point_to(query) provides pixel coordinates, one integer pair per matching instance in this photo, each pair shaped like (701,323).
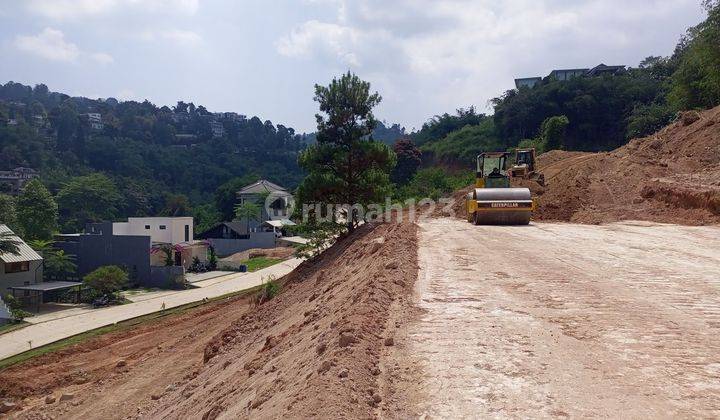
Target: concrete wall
(163,277)
(173,233)
(225,247)
(23,278)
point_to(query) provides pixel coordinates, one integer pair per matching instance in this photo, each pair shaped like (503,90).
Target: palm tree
(41,246)
(247,210)
(59,264)
(9,244)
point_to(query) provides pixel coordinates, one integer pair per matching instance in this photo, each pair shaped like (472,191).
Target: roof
(239,227)
(25,252)
(261,186)
(605,68)
(294,240)
(48,285)
(280,223)
(562,70)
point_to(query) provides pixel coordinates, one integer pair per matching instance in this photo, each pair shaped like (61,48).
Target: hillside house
(12,182)
(217,129)
(567,74)
(528,82)
(94,120)
(275,200)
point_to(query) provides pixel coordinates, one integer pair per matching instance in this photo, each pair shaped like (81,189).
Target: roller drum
(503,216)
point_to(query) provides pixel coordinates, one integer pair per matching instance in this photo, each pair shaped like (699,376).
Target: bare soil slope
(115,375)
(672,176)
(314,350)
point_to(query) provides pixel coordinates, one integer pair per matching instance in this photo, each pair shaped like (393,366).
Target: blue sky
(263,57)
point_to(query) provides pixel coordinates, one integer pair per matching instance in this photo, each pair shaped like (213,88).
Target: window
(162,227)
(187,233)
(17,267)
(147,227)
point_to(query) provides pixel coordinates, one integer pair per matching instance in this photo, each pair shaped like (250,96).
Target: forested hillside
(592,113)
(151,160)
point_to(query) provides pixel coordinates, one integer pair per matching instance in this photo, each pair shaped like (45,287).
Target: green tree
(346,166)
(176,205)
(408,161)
(106,280)
(89,198)
(226,195)
(8,216)
(9,244)
(248,211)
(696,82)
(58,265)
(553,132)
(37,212)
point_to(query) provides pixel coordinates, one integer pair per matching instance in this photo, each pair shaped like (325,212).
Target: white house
(166,230)
(174,231)
(21,269)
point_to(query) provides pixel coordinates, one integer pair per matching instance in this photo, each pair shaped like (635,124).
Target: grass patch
(12,326)
(258,263)
(118,327)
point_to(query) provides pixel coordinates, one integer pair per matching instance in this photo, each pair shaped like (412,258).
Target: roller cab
(493,201)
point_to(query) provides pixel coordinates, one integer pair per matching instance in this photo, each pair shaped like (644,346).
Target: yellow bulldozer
(493,201)
(525,166)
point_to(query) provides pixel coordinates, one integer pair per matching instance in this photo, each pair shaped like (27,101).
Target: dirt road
(553,320)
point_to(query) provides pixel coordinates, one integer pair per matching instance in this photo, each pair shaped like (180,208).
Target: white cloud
(180,36)
(318,38)
(102,58)
(183,38)
(50,44)
(77,9)
(452,53)
(126,95)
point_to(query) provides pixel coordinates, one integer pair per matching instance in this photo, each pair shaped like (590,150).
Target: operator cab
(525,157)
(491,171)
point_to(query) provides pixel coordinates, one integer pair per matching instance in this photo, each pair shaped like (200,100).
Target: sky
(263,57)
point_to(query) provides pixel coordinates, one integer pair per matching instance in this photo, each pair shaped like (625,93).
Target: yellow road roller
(493,201)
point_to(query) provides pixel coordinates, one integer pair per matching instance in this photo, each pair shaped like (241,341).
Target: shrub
(269,290)
(16,310)
(106,280)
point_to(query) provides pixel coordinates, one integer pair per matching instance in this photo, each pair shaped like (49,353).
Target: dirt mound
(672,176)
(314,350)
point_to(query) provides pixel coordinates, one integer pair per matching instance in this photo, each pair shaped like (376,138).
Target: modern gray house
(567,74)
(528,82)
(99,246)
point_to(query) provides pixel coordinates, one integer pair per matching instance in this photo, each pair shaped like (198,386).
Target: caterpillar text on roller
(493,201)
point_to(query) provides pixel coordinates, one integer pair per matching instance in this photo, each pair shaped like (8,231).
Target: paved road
(555,320)
(39,334)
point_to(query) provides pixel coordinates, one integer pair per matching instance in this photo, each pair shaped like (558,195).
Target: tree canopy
(346,166)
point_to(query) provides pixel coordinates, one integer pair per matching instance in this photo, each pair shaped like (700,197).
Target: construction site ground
(557,319)
(586,312)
